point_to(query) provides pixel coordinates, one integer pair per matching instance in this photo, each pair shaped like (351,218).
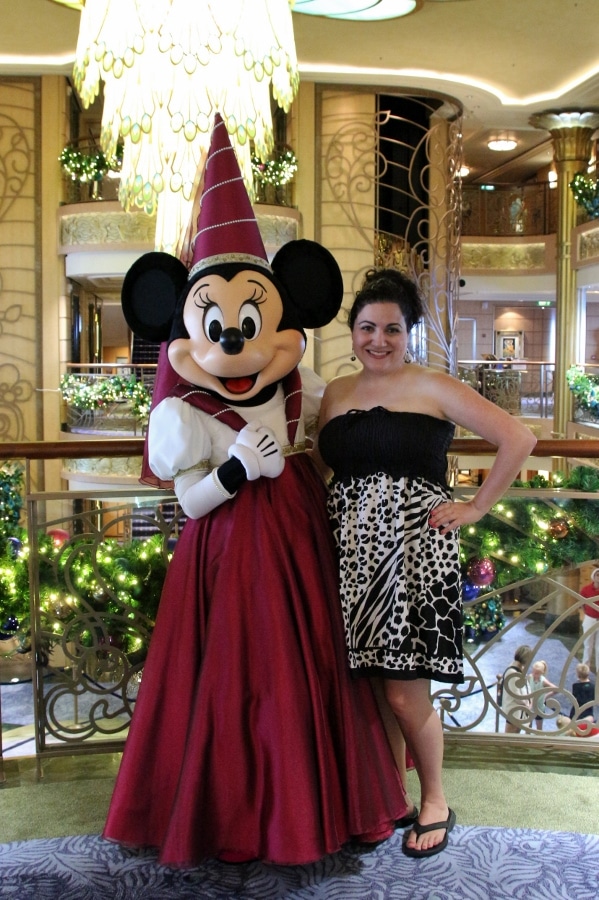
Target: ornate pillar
(571,132)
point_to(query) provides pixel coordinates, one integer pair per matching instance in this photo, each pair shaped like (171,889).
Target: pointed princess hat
(305,273)
(227,227)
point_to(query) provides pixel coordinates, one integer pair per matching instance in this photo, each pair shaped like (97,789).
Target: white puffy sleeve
(177,438)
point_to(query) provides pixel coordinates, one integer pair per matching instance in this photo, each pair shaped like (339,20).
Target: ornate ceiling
(502,59)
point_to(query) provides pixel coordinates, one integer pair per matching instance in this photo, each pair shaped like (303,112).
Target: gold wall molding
(586,244)
(278,225)
(104,225)
(521,258)
(104,467)
(92,224)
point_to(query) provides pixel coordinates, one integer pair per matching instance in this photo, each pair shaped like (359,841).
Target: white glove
(199,495)
(258,451)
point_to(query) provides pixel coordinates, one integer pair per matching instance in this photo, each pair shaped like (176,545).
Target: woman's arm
(514,442)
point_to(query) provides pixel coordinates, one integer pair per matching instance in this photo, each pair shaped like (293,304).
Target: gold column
(571,132)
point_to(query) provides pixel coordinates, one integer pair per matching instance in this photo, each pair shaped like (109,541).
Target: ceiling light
(463,171)
(167,67)
(356,10)
(502,143)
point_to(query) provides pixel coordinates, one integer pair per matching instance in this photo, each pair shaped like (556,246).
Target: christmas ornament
(59,536)
(470,591)
(480,571)
(8,628)
(101,597)
(558,528)
(14,545)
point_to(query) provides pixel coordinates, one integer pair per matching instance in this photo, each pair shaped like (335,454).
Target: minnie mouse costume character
(249,739)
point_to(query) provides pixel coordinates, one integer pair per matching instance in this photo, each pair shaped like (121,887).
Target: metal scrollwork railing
(95,590)
(96,574)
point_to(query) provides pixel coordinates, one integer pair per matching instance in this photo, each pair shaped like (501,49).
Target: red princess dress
(250,739)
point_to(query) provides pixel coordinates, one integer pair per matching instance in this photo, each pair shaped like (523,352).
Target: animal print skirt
(399,579)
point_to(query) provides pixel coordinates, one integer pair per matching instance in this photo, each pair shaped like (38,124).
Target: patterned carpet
(480,864)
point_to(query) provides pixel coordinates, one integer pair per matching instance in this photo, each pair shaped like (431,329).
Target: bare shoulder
(436,380)
(433,385)
(339,387)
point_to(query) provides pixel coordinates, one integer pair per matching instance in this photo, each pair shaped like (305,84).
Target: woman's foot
(429,833)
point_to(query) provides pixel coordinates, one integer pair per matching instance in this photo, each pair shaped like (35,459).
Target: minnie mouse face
(233,346)
(234,328)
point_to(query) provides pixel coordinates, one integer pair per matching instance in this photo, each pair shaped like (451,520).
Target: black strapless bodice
(400,444)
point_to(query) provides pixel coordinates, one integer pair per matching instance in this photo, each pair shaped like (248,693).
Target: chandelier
(167,66)
(357,10)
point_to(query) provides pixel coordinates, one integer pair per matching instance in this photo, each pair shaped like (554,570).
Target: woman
(384,432)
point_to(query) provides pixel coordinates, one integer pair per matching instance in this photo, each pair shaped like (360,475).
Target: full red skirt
(249,736)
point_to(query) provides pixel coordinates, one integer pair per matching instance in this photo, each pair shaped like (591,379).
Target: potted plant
(271,178)
(586,193)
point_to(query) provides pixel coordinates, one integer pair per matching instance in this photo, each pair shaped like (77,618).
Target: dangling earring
(353,356)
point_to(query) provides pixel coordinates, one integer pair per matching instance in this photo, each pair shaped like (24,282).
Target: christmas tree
(526,536)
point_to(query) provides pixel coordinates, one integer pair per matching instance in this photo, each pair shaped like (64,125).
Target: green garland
(585,388)
(12,480)
(277,171)
(87,167)
(526,537)
(586,193)
(110,579)
(95,393)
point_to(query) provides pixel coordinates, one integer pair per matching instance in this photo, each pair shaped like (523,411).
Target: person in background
(384,431)
(538,682)
(515,698)
(583,691)
(584,728)
(590,626)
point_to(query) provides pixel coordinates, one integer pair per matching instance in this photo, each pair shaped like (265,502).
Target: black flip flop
(423,829)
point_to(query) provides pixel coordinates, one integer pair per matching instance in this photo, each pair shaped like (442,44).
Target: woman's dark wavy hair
(389,286)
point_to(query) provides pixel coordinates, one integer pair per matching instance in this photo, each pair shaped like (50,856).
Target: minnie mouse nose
(231,341)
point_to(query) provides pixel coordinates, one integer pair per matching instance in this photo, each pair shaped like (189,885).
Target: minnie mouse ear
(149,295)
(312,278)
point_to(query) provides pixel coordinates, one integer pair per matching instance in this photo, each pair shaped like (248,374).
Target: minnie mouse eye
(250,321)
(213,323)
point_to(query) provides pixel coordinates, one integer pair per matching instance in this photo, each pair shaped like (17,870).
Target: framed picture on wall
(509,344)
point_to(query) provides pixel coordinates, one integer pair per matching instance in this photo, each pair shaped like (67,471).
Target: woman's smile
(380,334)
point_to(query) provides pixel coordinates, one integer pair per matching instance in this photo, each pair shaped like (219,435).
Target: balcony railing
(509,210)
(522,387)
(95,574)
(102,398)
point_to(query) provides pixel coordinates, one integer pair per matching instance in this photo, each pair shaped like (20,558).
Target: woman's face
(380,337)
